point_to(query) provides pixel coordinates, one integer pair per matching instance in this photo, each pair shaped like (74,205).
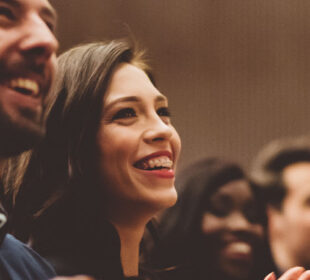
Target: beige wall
(237,72)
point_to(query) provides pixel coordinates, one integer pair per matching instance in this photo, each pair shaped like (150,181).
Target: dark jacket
(17,260)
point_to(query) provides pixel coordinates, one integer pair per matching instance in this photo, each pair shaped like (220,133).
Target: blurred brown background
(236,71)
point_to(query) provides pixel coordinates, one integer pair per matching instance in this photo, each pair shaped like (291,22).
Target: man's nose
(39,42)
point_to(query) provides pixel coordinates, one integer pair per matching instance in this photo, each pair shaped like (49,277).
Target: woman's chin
(164,200)
(170,200)
(237,271)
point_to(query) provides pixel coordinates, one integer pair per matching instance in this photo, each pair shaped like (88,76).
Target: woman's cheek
(211,223)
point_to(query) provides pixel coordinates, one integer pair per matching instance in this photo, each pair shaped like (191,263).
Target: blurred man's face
(293,221)
(27,65)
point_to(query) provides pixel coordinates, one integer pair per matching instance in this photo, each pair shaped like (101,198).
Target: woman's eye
(220,206)
(124,114)
(219,210)
(163,112)
(6,12)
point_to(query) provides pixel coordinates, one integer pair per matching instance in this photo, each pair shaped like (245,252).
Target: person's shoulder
(18,261)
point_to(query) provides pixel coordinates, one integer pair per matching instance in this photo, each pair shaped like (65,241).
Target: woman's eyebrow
(133,98)
(121,100)
(160,98)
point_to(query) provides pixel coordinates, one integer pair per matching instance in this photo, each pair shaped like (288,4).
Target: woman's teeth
(240,247)
(25,86)
(155,163)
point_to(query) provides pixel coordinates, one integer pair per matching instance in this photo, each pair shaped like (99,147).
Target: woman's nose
(241,226)
(157,130)
(238,222)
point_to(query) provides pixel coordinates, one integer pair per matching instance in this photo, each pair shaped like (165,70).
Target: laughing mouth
(240,247)
(157,163)
(25,86)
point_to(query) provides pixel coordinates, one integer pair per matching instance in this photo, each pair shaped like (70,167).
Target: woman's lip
(162,173)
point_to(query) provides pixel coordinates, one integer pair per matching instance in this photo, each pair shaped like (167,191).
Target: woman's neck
(130,238)
(130,222)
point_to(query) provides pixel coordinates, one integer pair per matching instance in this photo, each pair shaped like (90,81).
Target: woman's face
(232,229)
(138,146)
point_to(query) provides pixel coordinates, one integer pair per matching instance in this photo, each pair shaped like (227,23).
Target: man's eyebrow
(45,10)
(11,2)
(50,12)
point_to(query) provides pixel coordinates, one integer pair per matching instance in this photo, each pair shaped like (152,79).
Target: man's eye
(51,26)
(6,12)
(306,202)
(124,114)
(163,112)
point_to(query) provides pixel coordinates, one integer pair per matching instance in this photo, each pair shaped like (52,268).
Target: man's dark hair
(272,160)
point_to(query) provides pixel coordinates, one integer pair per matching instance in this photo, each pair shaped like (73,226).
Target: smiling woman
(216,229)
(105,168)
(137,142)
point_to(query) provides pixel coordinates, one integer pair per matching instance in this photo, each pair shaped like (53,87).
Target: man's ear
(275,221)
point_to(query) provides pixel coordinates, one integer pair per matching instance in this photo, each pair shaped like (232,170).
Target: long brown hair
(62,167)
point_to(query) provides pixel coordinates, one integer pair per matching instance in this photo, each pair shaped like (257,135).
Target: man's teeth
(160,162)
(26,86)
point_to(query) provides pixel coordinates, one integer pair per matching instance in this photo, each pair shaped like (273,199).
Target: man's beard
(24,130)
(16,138)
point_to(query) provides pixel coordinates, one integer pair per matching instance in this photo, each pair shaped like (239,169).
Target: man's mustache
(26,68)
(21,67)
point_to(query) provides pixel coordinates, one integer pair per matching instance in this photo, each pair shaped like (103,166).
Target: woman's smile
(238,251)
(159,164)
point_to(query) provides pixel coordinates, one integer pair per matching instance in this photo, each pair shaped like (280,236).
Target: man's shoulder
(11,245)
(18,261)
